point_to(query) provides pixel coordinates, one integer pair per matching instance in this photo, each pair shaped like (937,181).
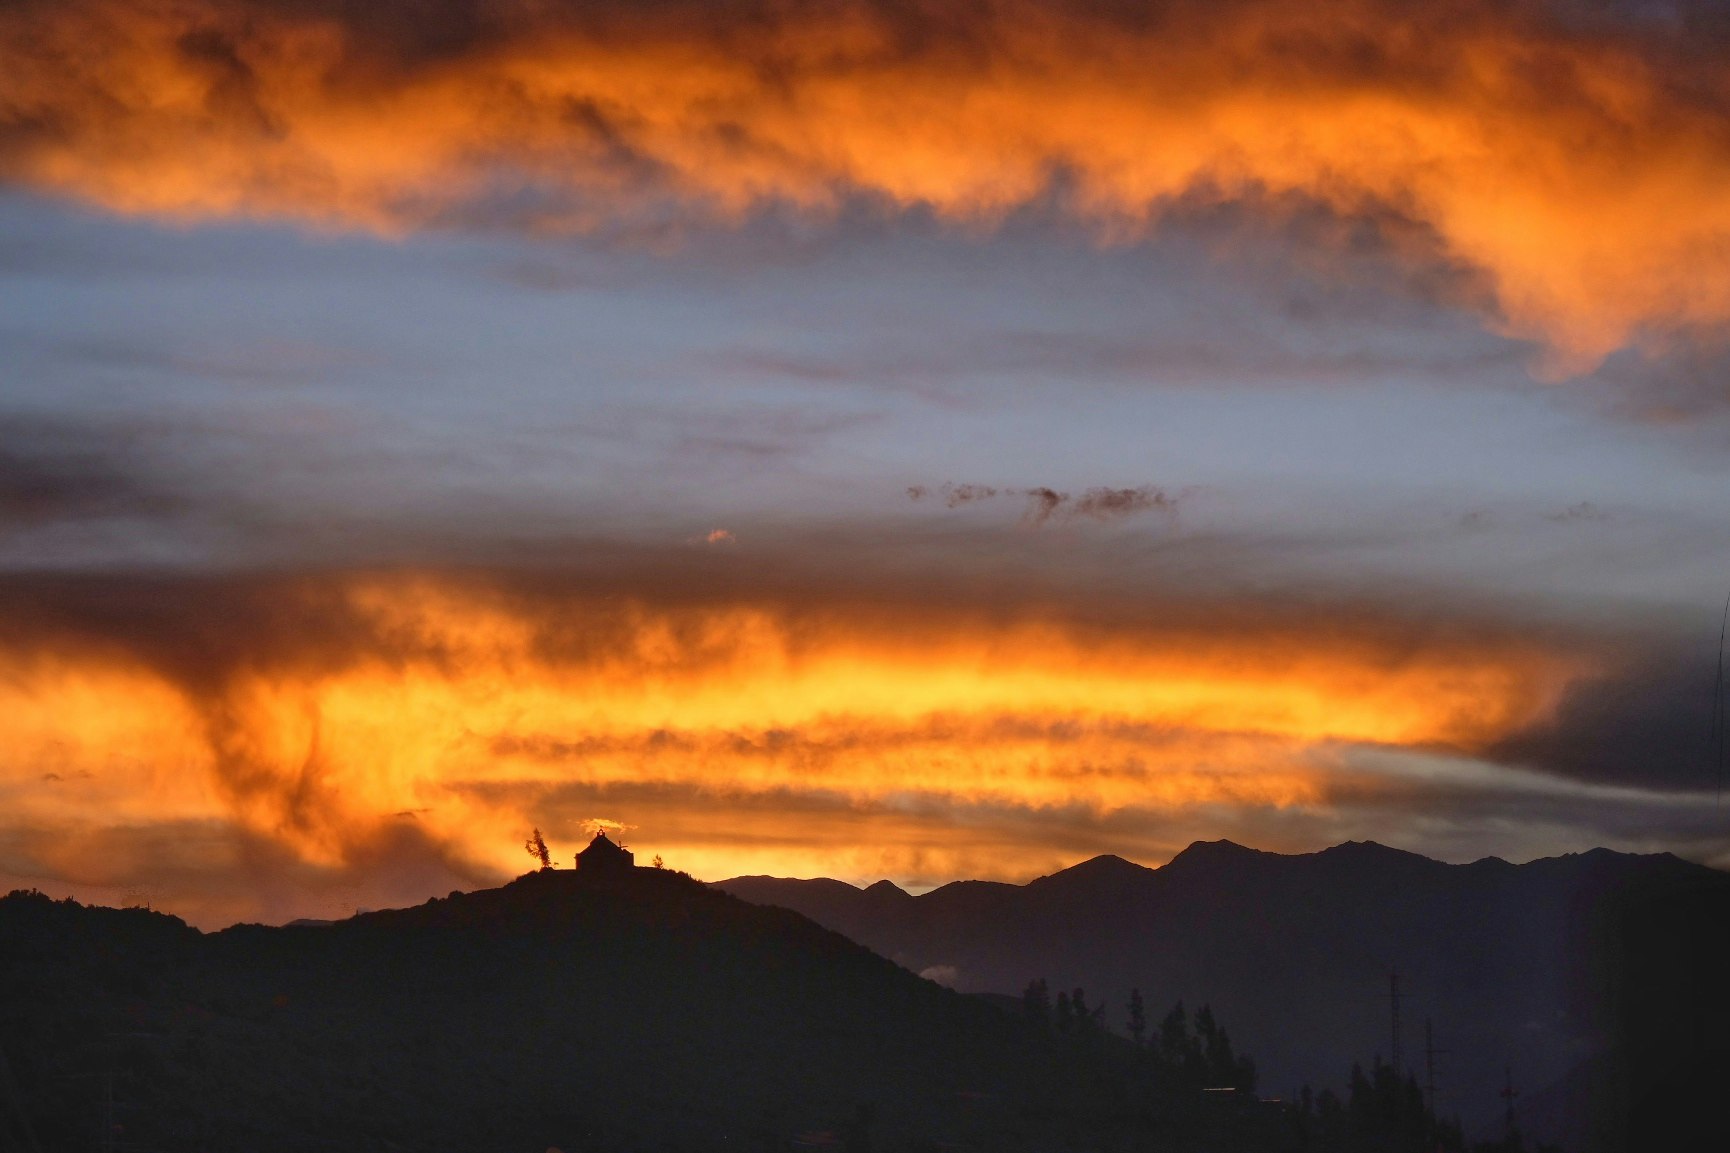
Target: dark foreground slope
(1552,969)
(639,1012)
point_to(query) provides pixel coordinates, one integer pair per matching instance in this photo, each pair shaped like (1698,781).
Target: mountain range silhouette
(1518,968)
(635,1009)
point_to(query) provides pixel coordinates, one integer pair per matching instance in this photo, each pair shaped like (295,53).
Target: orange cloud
(1579,169)
(457,706)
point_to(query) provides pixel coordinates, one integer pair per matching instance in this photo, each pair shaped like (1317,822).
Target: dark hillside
(642,1011)
(1520,967)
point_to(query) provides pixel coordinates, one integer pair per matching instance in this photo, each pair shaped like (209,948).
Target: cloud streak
(1576,165)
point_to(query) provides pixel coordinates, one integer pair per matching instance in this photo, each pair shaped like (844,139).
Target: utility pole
(1430,1053)
(1394,1001)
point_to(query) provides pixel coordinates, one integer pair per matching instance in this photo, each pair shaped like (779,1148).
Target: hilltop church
(603,856)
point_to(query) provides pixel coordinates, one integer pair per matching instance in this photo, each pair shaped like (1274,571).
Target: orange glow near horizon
(1570,170)
(466,710)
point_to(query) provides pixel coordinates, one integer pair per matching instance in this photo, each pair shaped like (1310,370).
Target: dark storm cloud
(52,471)
(1648,723)
(36,489)
(1465,819)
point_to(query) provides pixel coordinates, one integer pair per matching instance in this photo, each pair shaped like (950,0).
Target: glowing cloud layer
(1579,168)
(461,708)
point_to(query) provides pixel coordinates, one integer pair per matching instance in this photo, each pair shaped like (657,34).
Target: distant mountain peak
(1220,850)
(887,888)
(1373,851)
(1361,847)
(1106,866)
(1106,874)
(1107,862)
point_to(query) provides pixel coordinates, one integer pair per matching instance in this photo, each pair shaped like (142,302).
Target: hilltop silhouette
(1536,968)
(613,1008)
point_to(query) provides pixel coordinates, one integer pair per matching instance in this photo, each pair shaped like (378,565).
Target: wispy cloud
(1583,510)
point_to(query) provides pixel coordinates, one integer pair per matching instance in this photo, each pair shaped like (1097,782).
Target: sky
(863,438)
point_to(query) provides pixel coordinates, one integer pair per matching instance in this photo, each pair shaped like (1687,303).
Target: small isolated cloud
(946,975)
(1042,505)
(717,537)
(1109,503)
(594,825)
(956,495)
(1584,510)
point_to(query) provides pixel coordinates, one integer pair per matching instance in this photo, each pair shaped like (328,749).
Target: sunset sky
(865,438)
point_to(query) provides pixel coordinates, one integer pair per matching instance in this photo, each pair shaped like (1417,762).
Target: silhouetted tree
(536,846)
(1360,1100)
(1384,1113)
(1174,1034)
(1330,1120)
(1036,1002)
(1221,1065)
(1137,1018)
(1244,1077)
(1206,1028)
(1065,1015)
